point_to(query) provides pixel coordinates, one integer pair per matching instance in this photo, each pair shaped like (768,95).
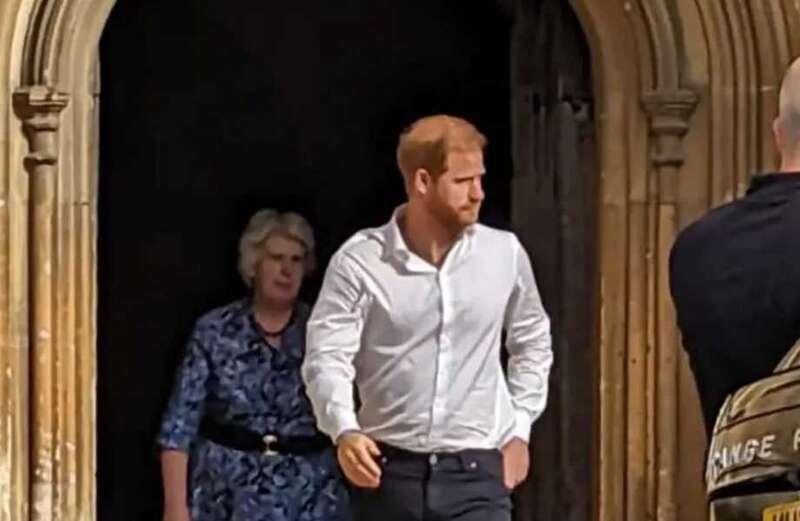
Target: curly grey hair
(265,224)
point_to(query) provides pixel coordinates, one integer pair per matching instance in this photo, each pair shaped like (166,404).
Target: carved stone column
(39,108)
(669,113)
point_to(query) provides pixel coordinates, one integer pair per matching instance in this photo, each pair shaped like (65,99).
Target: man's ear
(778,132)
(422,181)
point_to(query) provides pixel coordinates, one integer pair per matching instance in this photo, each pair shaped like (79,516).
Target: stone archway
(655,64)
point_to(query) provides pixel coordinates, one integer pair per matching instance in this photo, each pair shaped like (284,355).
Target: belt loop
(467,460)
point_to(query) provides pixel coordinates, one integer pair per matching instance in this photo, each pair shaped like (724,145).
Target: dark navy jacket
(735,281)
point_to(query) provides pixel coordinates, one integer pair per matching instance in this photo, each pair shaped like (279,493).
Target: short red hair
(426,143)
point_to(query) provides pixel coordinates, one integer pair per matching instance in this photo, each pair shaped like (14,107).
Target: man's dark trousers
(462,486)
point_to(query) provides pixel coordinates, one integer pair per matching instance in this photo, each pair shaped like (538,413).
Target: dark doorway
(212,110)
(555,212)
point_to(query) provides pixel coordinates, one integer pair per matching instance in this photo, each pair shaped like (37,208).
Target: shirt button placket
(443,356)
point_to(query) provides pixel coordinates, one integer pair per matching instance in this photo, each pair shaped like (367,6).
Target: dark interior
(213,110)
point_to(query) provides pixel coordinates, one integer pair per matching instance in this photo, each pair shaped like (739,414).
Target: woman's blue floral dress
(230,373)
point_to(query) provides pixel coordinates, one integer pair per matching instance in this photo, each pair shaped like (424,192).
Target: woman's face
(280,271)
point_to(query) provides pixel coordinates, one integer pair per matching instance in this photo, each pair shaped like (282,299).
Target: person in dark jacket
(735,273)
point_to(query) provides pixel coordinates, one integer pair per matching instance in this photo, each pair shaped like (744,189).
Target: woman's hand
(356,453)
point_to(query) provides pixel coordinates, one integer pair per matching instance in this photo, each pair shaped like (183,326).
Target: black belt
(396,453)
(245,440)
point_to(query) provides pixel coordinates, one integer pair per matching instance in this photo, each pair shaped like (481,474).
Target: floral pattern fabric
(230,373)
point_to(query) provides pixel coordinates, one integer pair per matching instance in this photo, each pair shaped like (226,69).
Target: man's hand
(356,454)
(516,462)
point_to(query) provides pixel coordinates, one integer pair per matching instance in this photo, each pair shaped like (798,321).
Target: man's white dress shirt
(422,343)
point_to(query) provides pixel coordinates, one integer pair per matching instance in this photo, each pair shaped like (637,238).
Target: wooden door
(554,211)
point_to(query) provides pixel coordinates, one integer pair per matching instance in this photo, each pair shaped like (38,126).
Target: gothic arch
(655,63)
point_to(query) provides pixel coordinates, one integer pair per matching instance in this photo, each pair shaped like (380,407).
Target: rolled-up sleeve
(186,406)
(529,346)
(333,340)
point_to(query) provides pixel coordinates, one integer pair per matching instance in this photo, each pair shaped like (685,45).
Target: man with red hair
(412,312)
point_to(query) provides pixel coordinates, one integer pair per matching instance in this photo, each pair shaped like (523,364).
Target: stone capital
(39,108)
(669,113)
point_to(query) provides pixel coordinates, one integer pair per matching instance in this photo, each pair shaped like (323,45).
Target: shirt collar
(770,179)
(395,246)
(246,315)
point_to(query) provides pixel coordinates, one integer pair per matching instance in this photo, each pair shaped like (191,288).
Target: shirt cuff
(522,426)
(342,421)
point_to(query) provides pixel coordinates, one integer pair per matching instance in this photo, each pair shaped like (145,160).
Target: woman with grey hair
(239,430)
